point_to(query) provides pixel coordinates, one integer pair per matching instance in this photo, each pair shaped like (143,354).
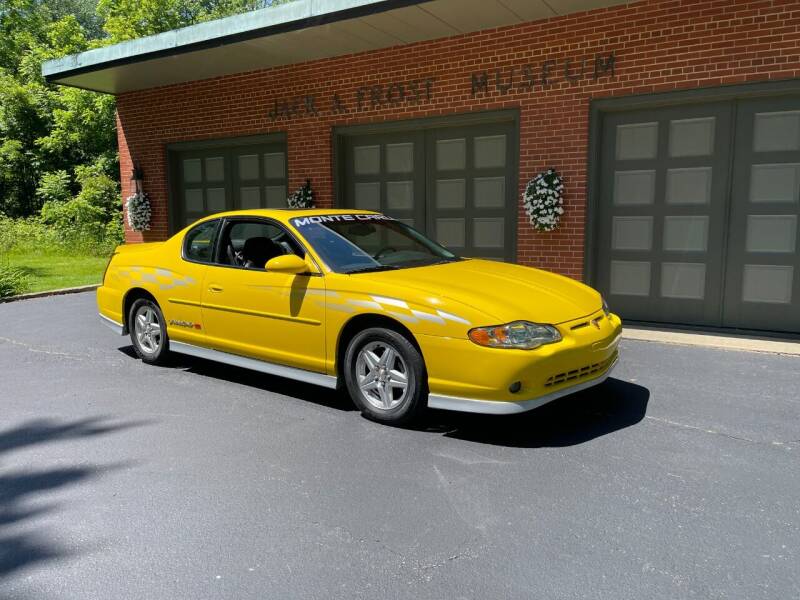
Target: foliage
(303,197)
(130,19)
(54,187)
(13,281)
(58,141)
(137,209)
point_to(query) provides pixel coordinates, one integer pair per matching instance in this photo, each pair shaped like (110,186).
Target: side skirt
(117,328)
(253,364)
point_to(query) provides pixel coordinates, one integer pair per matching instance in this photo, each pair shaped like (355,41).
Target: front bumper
(466,377)
(495,407)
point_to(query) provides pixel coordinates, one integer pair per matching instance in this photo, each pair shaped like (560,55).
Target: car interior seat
(258,250)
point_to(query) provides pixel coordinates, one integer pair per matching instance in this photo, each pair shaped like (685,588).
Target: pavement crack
(719,433)
(32,348)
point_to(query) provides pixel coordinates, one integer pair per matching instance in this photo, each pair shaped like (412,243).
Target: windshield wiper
(372,269)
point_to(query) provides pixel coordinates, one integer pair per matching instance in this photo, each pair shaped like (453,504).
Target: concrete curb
(741,343)
(61,292)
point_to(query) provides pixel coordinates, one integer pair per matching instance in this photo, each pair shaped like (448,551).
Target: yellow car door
(272,316)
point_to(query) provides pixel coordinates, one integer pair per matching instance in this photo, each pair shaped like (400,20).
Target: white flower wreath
(137,209)
(302,198)
(543,200)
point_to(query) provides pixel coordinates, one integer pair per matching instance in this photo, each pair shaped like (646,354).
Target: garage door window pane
(490,192)
(250,197)
(683,280)
(777,132)
(400,195)
(775,183)
(689,186)
(275,165)
(630,278)
(771,233)
(771,284)
(488,232)
(367,160)
(490,152)
(215,168)
(633,233)
(451,155)
(275,196)
(400,158)
(215,199)
(691,137)
(192,171)
(451,233)
(637,141)
(451,193)
(634,187)
(248,166)
(193,200)
(686,234)
(368,196)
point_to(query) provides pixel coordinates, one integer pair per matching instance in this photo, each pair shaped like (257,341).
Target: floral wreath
(543,200)
(302,198)
(138,211)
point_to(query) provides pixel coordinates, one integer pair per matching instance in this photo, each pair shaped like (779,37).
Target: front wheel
(385,376)
(148,331)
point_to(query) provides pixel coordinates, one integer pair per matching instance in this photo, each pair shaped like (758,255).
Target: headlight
(606,310)
(522,335)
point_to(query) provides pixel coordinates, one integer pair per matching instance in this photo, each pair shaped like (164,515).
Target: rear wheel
(385,376)
(148,331)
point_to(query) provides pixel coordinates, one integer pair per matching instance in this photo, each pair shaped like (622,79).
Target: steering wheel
(384,251)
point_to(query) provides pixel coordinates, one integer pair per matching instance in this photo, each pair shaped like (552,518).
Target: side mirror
(288,263)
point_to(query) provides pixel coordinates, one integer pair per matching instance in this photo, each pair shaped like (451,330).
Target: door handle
(215,288)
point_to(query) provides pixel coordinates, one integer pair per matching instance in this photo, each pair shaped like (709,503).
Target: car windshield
(361,243)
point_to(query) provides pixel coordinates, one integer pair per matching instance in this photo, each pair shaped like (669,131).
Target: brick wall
(658,45)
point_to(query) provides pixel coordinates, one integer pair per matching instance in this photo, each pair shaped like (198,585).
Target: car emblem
(596,322)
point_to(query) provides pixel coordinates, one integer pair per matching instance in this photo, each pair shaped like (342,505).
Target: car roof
(285,214)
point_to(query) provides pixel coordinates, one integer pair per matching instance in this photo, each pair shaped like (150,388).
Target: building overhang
(297,32)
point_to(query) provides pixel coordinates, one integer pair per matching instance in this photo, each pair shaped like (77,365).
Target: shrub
(98,189)
(54,187)
(13,281)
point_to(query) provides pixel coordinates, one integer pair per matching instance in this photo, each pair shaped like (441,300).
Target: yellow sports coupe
(357,300)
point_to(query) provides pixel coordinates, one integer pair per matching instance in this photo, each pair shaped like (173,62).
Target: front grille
(580,373)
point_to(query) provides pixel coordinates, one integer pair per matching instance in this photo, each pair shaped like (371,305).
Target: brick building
(674,123)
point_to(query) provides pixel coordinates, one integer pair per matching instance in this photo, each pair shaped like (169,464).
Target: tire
(393,393)
(148,332)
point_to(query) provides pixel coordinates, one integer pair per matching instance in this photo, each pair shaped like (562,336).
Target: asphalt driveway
(679,478)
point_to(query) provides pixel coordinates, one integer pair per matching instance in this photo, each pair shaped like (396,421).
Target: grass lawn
(54,271)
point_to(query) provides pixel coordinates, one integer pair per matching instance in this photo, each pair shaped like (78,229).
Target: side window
(251,244)
(198,245)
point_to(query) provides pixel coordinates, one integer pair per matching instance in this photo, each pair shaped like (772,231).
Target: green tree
(58,141)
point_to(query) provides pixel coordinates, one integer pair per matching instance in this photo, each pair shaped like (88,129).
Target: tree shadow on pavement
(568,421)
(24,492)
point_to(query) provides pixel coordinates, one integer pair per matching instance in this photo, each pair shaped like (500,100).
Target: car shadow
(568,421)
(255,379)
(23,490)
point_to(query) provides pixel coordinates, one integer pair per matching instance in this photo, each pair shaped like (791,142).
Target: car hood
(505,292)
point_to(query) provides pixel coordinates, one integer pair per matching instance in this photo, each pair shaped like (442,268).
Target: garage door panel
(456,184)
(662,216)
(762,289)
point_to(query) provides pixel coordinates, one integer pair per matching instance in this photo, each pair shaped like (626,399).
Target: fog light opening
(515,387)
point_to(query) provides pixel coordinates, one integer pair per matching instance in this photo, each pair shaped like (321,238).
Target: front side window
(360,243)
(199,242)
(251,244)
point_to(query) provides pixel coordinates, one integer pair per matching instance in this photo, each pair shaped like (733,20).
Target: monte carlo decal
(364,303)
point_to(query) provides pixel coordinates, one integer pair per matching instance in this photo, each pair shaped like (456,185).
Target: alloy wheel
(148,329)
(382,375)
